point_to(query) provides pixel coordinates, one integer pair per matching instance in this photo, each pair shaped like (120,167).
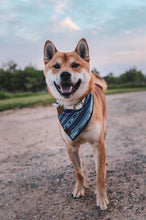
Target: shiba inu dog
(81,108)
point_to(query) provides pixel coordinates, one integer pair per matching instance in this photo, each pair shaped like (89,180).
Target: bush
(17,80)
(132,78)
(4,95)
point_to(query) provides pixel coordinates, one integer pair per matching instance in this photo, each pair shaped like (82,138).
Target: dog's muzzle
(66,87)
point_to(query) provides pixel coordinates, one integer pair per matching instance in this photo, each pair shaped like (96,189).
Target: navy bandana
(74,121)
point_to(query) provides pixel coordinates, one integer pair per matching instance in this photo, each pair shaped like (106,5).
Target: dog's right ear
(49,51)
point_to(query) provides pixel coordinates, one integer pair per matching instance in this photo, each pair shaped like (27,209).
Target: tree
(132,75)
(10,66)
(13,79)
(110,79)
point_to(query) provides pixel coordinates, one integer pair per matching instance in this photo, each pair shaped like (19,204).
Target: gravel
(36,175)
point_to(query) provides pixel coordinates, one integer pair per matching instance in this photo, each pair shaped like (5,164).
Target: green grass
(6,95)
(127,85)
(22,100)
(124,90)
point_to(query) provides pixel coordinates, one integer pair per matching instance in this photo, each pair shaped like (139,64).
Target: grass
(127,85)
(6,95)
(22,100)
(124,90)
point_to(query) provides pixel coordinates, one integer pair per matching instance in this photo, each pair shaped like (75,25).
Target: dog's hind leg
(74,155)
(100,159)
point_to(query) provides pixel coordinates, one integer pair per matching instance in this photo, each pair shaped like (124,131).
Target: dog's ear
(83,50)
(49,51)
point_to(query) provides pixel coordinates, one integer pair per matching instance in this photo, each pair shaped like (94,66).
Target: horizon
(115,31)
(18,67)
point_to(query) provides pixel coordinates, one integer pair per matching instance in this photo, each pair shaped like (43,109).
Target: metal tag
(60,109)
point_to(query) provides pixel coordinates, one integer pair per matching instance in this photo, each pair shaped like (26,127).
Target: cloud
(116,17)
(8,17)
(114,54)
(61,6)
(24,0)
(68,23)
(115,30)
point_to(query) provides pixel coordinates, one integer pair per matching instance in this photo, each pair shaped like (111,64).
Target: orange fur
(95,131)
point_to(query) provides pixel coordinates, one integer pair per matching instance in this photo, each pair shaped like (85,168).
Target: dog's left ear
(83,50)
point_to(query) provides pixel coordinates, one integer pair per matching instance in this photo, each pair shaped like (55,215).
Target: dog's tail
(100,81)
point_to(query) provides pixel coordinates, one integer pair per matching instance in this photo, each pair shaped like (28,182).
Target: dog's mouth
(67,89)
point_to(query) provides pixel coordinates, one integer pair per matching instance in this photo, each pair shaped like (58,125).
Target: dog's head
(67,75)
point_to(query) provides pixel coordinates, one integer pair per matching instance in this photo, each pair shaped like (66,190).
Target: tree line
(131,78)
(14,79)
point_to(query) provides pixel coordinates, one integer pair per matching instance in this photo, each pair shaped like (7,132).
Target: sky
(114,29)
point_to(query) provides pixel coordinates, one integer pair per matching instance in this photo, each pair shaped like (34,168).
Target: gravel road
(37,178)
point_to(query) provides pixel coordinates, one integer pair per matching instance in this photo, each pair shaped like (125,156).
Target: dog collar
(60,106)
(74,121)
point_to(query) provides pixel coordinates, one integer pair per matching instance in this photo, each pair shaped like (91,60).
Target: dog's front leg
(74,155)
(100,159)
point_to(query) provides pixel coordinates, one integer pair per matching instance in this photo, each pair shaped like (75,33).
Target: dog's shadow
(121,184)
(83,206)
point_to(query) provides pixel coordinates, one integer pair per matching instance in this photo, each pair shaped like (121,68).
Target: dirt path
(37,178)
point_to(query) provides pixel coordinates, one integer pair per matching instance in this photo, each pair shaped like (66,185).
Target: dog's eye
(75,65)
(56,66)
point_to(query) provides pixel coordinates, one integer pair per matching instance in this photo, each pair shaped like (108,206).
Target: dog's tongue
(66,89)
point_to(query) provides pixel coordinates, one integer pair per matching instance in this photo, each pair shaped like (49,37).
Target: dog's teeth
(66,89)
(70,89)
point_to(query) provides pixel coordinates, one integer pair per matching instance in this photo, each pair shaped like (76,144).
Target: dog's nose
(65,76)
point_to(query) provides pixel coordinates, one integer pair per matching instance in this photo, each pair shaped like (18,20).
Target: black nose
(65,76)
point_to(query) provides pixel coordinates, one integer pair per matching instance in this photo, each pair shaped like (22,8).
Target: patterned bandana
(74,121)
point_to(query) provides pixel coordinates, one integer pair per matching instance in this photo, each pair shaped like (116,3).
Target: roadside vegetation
(24,88)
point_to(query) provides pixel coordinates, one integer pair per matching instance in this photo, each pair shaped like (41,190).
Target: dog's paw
(102,202)
(78,192)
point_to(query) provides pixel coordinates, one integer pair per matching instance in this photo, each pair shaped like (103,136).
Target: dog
(82,110)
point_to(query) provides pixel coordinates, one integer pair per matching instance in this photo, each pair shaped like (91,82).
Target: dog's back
(100,110)
(99,81)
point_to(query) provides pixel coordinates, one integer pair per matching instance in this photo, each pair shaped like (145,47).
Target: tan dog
(70,81)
